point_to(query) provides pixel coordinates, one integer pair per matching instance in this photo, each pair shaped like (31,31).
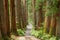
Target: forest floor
(27,34)
(25,38)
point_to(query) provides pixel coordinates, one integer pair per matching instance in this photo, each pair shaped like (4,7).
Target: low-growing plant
(21,32)
(40,34)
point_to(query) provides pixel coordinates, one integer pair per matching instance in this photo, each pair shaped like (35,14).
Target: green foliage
(40,34)
(37,33)
(21,32)
(34,33)
(52,38)
(38,3)
(51,7)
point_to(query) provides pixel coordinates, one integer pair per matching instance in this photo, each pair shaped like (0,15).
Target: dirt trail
(27,34)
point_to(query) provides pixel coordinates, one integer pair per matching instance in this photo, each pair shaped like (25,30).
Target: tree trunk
(40,16)
(0,26)
(47,19)
(33,11)
(25,11)
(13,16)
(4,14)
(19,14)
(6,9)
(58,21)
(53,25)
(47,24)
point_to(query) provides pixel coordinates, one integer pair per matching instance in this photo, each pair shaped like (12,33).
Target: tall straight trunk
(4,14)
(58,21)
(6,9)
(25,12)
(33,11)
(0,35)
(13,16)
(40,15)
(53,25)
(0,26)
(47,18)
(19,13)
(47,24)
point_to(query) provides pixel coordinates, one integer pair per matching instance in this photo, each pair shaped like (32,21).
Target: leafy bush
(21,32)
(41,35)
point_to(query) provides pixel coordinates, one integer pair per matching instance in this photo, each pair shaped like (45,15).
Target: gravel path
(28,29)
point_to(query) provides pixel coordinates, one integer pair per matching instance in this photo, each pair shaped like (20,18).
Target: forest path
(24,38)
(27,34)
(28,29)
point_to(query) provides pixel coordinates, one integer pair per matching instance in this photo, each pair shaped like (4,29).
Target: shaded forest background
(17,14)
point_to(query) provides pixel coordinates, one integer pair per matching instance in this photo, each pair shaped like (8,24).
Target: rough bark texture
(53,25)
(4,14)
(47,24)
(24,13)
(13,16)
(6,9)
(19,14)
(0,26)
(47,19)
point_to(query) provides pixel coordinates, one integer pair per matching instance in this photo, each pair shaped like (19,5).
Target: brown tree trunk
(53,25)
(0,35)
(13,16)
(0,26)
(26,12)
(5,27)
(34,12)
(58,21)
(47,24)
(40,15)
(19,13)
(6,9)
(47,19)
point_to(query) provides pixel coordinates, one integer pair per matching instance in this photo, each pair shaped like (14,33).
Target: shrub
(21,32)
(43,36)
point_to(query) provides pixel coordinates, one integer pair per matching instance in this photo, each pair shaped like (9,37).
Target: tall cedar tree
(24,13)
(47,18)
(19,14)
(13,16)
(40,16)
(6,9)
(53,25)
(58,21)
(34,12)
(5,26)
(55,22)
(0,20)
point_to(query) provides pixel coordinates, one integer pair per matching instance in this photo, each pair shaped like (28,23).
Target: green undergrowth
(43,36)
(21,32)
